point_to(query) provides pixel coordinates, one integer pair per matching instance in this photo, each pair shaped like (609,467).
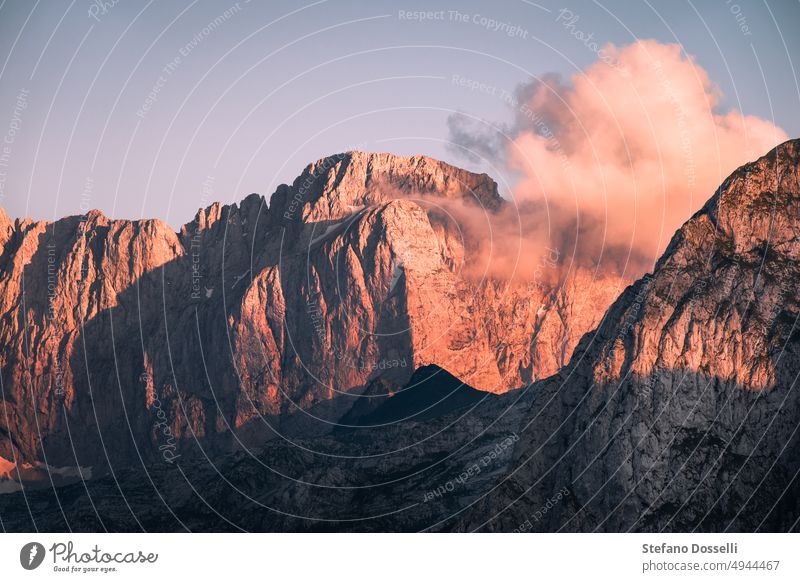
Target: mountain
(680,412)
(677,413)
(124,341)
(431,392)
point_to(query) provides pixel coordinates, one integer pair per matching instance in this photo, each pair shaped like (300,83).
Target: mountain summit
(254,312)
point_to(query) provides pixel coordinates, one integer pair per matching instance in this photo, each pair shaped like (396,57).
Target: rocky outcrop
(125,340)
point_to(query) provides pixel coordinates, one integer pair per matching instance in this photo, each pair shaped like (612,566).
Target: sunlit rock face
(124,339)
(681,411)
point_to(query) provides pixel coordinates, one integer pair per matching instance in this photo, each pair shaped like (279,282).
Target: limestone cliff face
(56,279)
(681,411)
(124,338)
(724,299)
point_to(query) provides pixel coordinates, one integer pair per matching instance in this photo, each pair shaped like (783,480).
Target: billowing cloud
(615,159)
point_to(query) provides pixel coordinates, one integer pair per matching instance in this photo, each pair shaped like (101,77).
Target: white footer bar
(406,557)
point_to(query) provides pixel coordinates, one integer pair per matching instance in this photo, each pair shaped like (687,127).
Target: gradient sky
(275,85)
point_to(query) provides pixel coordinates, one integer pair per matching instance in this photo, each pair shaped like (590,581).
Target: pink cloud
(615,160)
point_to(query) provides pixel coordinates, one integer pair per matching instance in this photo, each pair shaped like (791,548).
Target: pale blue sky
(274,85)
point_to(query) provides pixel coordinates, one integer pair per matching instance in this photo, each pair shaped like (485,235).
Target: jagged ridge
(219,332)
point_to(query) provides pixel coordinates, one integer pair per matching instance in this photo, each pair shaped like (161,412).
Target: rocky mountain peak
(336,186)
(757,206)
(349,277)
(6,229)
(721,301)
(680,411)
